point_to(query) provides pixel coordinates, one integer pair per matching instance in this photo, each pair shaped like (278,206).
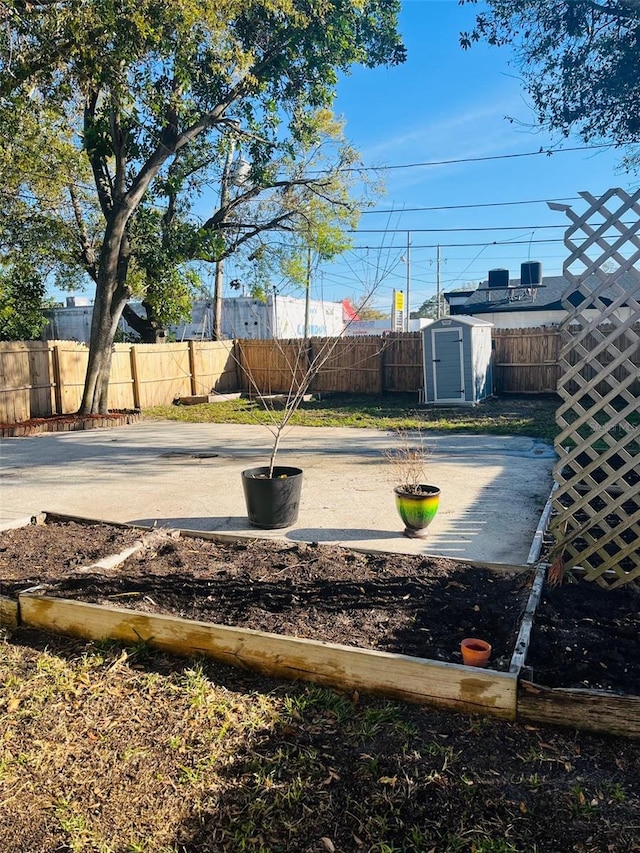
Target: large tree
(303,199)
(579,60)
(114,104)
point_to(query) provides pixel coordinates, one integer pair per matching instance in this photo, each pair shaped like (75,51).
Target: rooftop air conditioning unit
(531,274)
(499,278)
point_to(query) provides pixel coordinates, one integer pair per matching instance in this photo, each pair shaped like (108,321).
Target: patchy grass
(517,415)
(128,751)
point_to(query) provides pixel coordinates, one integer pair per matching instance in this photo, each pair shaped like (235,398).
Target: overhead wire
(469,206)
(548,152)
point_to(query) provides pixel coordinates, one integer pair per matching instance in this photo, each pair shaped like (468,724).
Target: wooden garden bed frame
(506,695)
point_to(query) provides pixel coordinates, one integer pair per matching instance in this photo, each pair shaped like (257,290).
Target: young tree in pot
(272,492)
(416,501)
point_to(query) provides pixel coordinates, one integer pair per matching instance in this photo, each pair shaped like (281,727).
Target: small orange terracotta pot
(475,652)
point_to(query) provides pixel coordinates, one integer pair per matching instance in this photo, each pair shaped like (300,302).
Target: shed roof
(465,319)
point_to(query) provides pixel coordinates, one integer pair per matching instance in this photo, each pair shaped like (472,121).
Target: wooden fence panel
(41,397)
(26,383)
(269,367)
(16,383)
(121,390)
(213,367)
(402,362)
(526,360)
(348,365)
(162,371)
(70,360)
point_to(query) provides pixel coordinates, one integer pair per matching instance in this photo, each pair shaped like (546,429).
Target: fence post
(242,380)
(57,378)
(192,368)
(134,376)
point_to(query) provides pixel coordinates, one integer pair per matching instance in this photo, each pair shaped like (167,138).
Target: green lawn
(509,415)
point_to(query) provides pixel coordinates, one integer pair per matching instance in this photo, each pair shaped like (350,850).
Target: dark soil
(583,636)
(587,636)
(418,606)
(30,554)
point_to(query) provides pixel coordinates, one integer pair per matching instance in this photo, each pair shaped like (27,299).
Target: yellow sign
(399,306)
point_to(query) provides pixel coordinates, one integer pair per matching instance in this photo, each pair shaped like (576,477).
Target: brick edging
(71,423)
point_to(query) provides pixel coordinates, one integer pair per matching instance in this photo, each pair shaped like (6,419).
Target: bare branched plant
(408,460)
(302,363)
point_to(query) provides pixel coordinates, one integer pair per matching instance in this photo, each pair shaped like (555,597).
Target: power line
(548,152)
(469,206)
(433,230)
(459,245)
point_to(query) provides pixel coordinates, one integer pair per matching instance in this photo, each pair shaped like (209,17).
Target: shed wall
(441,358)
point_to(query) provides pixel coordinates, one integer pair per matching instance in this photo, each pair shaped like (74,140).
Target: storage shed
(457,361)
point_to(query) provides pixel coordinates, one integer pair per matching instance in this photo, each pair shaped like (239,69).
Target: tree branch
(119,143)
(99,168)
(87,254)
(616,12)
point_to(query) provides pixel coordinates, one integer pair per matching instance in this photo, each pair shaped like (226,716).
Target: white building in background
(382,327)
(280,317)
(242,317)
(72,323)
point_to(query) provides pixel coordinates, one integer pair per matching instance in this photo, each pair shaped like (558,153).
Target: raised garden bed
(583,661)
(385,623)
(389,622)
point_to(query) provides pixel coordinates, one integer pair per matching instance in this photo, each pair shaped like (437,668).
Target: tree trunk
(111,297)
(106,314)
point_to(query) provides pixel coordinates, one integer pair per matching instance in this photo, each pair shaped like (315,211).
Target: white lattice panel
(596,520)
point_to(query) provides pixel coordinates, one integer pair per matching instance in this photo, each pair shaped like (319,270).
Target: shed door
(448,365)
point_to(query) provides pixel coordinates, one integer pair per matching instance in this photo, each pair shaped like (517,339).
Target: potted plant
(272,492)
(417,502)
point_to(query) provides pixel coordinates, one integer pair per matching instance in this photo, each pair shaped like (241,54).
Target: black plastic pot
(272,502)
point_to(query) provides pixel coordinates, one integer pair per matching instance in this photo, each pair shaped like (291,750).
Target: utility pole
(408,306)
(217,287)
(307,296)
(438,300)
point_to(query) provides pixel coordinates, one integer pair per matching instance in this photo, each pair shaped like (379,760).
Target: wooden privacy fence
(354,365)
(41,378)
(526,360)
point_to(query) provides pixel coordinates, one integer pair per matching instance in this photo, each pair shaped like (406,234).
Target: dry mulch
(70,423)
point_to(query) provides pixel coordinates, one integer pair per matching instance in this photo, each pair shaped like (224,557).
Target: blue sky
(448,104)
(442,104)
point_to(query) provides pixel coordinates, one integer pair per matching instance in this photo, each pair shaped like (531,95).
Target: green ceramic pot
(417,509)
